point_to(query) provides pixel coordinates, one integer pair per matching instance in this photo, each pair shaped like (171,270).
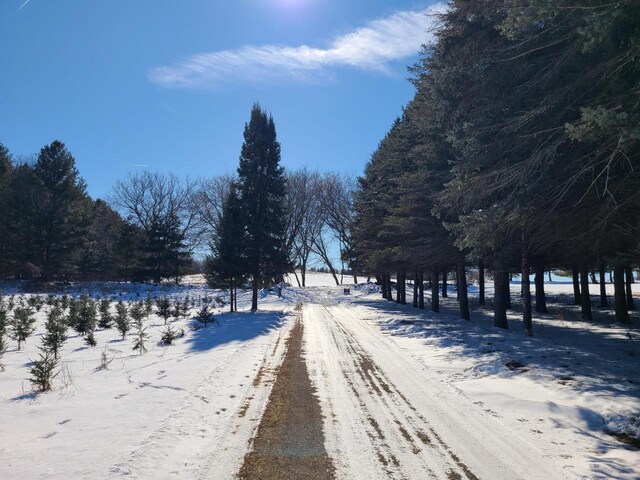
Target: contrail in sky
(23,5)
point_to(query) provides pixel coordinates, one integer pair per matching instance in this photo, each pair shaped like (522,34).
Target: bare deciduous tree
(150,197)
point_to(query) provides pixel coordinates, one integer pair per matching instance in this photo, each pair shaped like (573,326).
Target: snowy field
(156,415)
(404,393)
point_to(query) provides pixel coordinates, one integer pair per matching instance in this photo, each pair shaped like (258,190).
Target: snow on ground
(507,405)
(405,393)
(179,411)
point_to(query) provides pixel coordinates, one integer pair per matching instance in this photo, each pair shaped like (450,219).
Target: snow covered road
(386,417)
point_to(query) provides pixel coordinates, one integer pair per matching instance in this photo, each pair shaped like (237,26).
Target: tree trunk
(622,314)
(389,291)
(629,275)
(527,318)
(576,286)
(541,299)
(415,289)
(500,279)
(550,280)
(585,297)
(404,287)
(445,293)
(421,290)
(435,299)
(481,283)
(507,290)
(231,297)
(463,297)
(383,286)
(254,296)
(592,275)
(399,287)
(295,274)
(604,301)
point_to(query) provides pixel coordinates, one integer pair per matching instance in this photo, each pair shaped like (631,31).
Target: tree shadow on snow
(234,327)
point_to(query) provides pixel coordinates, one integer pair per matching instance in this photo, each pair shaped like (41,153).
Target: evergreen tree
(55,332)
(63,218)
(87,316)
(137,314)
(6,168)
(22,325)
(261,185)
(122,320)
(224,267)
(163,308)
(43,371)
(105,314)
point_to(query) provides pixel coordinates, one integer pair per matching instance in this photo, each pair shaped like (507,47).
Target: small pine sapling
(90,339)
(105,360)
(73,317)
(137,313)
(21,325)
(56,331)
(140,338)
(64,301)
(3,348)
(169,334)
(185,306)
(148,305)
(205,317)
(87,316)
(176,312)
(43,371)
(106,319)
(4,317)
(122,321)
(163,308)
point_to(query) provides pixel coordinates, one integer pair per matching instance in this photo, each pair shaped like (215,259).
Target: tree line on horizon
(519,152)
(154,227)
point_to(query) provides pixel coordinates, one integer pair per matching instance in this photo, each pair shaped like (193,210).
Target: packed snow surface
(404,393)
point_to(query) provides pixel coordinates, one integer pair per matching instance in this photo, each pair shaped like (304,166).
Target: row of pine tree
(50,229)
(518,153)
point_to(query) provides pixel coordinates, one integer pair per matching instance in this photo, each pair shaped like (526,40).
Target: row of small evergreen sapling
(17,322)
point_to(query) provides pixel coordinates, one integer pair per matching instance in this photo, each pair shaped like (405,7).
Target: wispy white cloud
(371,47)
(23,5)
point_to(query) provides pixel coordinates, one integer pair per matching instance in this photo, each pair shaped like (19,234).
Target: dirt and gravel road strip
(289,443)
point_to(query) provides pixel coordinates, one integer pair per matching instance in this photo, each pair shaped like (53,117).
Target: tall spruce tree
(262,184)
(63,219)
(5,181)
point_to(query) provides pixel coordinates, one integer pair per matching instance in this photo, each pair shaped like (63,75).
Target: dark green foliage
(55,332)
(63,217)
(148,305)
(522,141)
(226,265)
(169,334)
(86,316)
(137,313)
(164,252)
(122,319)
(43,371)
(106,319)
(205,316)
(140,335)
(261,187)
(163,308)
(21,325)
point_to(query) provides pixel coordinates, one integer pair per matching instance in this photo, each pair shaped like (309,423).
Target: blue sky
(167,85)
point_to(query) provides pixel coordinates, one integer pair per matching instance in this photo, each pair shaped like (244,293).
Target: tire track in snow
(431,431)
